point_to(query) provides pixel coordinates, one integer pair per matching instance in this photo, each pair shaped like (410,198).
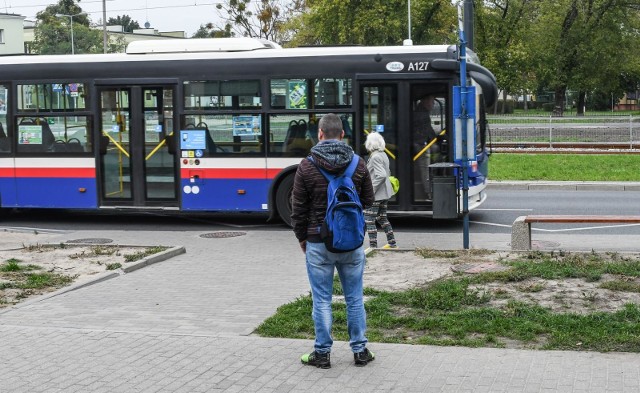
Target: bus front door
(412,134)
(137,163)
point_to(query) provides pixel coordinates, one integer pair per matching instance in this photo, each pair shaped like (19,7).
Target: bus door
(137,162)
(413,130)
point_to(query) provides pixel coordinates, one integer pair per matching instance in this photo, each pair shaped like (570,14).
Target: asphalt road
(496,215)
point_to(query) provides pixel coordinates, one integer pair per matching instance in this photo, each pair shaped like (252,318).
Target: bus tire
(283,199)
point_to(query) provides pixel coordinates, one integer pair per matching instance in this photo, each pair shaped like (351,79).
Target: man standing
(309,206)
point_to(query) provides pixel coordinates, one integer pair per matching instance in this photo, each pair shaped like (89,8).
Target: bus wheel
(283,199)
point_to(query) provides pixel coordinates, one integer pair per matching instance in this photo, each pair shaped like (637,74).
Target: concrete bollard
(521,234)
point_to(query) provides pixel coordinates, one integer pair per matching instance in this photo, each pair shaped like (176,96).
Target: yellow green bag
(395,184)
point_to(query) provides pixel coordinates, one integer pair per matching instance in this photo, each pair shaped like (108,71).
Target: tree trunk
(582,96)
(558,103)
(504,102)
(525,101)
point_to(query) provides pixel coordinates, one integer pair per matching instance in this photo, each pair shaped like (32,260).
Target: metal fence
(619,130)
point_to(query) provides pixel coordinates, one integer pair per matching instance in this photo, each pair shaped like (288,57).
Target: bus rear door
(138,168)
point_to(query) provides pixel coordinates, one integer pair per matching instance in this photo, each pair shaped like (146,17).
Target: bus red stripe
(224,173)
(56,172)
(272,173)
(7,172)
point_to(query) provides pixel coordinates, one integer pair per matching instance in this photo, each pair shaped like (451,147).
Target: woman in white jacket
(378,166)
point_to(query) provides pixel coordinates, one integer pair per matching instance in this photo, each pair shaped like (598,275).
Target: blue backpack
(344,227)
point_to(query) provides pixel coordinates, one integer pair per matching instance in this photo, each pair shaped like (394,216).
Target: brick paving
(184,325)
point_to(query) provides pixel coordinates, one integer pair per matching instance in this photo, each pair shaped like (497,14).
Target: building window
(1,36)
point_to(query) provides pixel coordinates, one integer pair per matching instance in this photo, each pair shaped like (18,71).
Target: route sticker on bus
(192,140)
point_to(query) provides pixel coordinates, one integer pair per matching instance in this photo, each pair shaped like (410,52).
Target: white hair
(374,142)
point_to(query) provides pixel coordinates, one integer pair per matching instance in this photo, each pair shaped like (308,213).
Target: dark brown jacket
(309,198)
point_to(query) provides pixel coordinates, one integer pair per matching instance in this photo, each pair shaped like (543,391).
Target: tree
(53,33)
(502,42)
(128,24)
(266,19)
(584,45)
(210,31)
(374,22)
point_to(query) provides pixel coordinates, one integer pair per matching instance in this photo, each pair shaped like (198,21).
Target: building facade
(11,34)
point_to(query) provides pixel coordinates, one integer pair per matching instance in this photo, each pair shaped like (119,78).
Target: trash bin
(444,189)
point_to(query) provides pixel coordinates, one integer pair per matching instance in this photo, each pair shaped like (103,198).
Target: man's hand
(303,246)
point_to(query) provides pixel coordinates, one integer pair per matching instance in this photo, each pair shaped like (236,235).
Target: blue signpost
(464,126)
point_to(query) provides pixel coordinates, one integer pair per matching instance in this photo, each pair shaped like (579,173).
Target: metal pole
(104,25)
(72,49)
(409,17)
(463,102)
(469,25)
(550,131)
(631,131)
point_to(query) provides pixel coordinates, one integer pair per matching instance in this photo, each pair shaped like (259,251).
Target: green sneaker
(320,360)
(364,357)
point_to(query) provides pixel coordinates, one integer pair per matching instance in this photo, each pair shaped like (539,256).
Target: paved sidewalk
(184,325)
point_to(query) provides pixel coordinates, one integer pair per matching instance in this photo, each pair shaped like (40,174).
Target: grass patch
(622,286)
(11,265)
(22,281)
(564,167)
(431,253)
(452,311)
(44,280)
(144,253)
(95,251)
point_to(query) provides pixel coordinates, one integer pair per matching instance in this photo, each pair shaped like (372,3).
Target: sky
(163,15)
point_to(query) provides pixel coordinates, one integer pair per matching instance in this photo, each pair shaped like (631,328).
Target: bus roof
(142,52)
(240,44)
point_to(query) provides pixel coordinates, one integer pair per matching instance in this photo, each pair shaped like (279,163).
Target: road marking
(492,224)
(584,228)
(503,210)
(34,230)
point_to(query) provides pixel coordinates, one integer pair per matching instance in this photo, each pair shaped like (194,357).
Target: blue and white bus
(217,125)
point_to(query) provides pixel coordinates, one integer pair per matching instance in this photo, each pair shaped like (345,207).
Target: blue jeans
(320,269)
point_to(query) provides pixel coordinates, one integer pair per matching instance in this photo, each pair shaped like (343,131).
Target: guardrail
(550,129)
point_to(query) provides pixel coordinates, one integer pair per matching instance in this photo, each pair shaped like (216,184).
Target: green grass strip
(450,311)
(564,167)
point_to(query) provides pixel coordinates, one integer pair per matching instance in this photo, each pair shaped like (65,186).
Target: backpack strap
(351,169)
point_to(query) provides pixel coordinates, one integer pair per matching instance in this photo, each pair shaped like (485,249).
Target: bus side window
(5,141)
(297,142)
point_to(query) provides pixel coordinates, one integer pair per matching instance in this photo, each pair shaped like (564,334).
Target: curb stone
(155,258)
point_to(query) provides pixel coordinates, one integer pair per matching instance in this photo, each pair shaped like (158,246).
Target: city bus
(220,125)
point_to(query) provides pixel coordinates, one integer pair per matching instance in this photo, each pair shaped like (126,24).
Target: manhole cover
(217,235)
(91,241)
(475,268)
